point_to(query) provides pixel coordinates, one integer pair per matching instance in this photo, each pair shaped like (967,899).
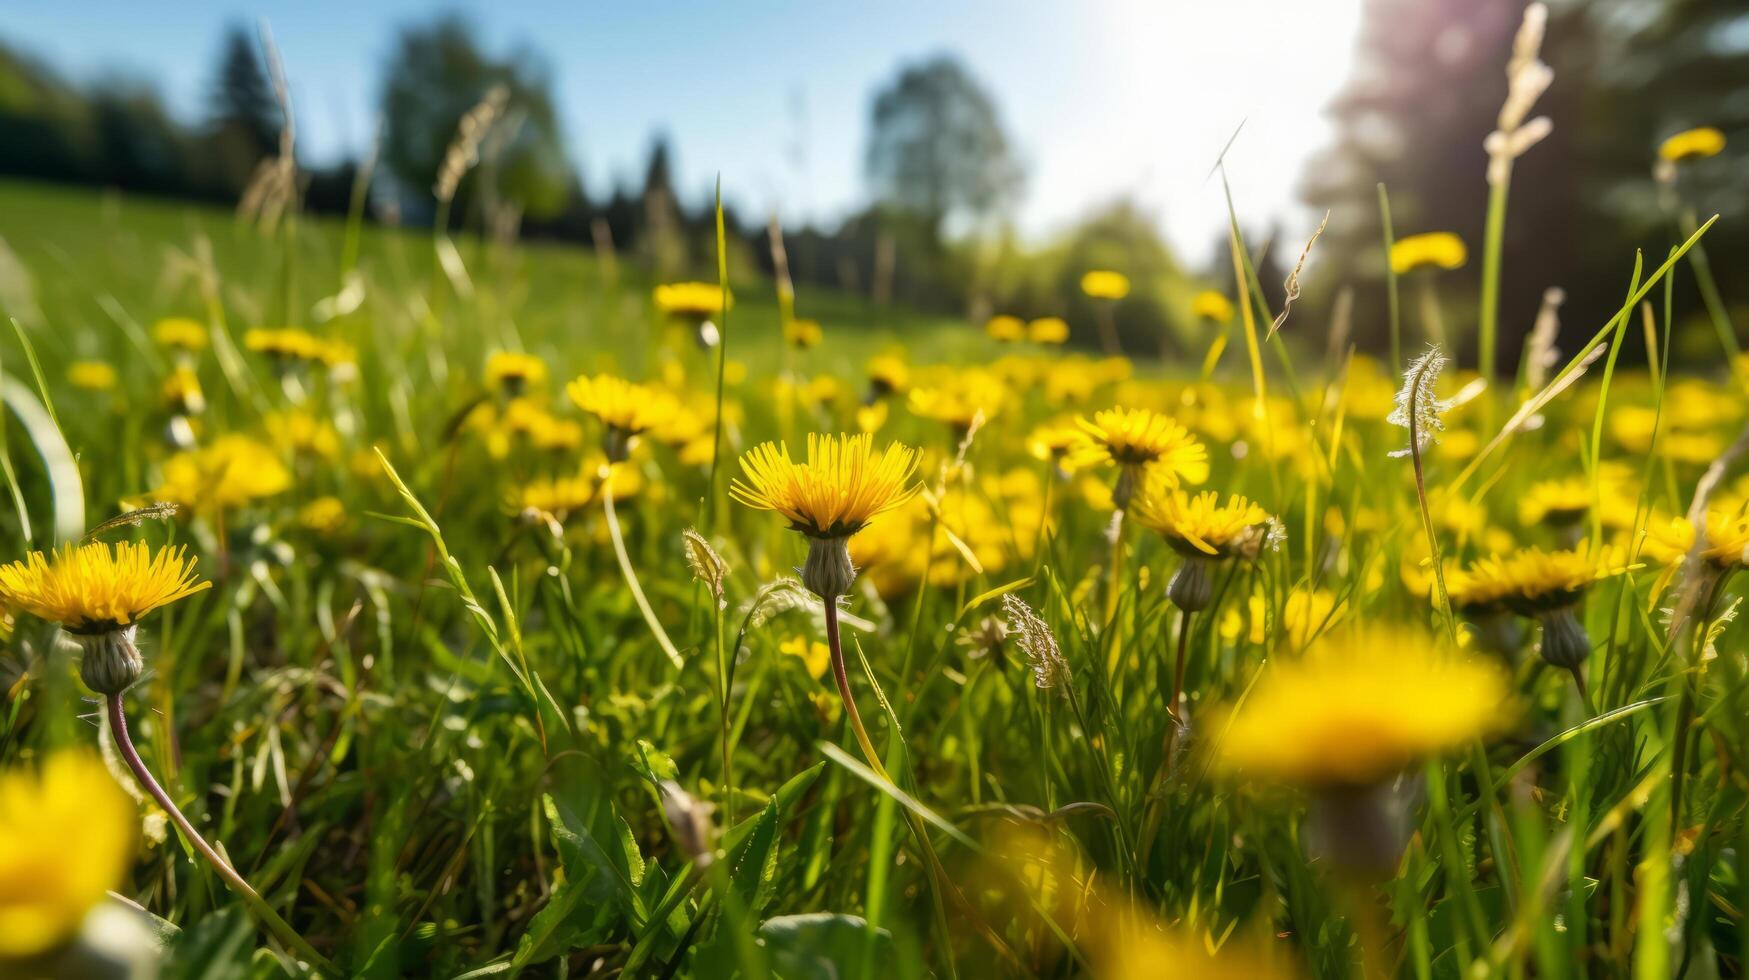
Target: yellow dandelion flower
(1668,541)
(870,418)
(815,656)
(46,886)
(1137,437)
(1359,708)
(324,515)
(1692,144)
(1054,440)
(560,495)
(843,485)
(513,372)
(1199,524)
(959,399)
(231,471)
(94,588)
(1531,579)
(1105,284)
(1212,306)
(1005,329)
(821,390)
(1559,502)
(91,375)
(887,374)
(301,432)
(283,343)
(623,408)
(803,334)
(1048,330)
(692,300)
(180,333)
(1435,248)
(182,393)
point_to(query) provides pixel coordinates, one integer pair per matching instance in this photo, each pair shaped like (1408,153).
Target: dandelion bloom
(1201,529)
(1692,144)
(1137,439)
(692,299)
(1548,585)
(1105,284)
(1559,502)
(625,409)
(1212,307)
(1435,248)
(1668,541)
(98,594)
(301,432)
(843,485)
(1531,579)
(324,515)
(803,334)
(1360,708)
(47,887)
(182,394)
(91,587)
(1005,329)
(283,343)
(887,375)
(960,399)
(180,333)
(1200,524)
(512,372)
(231,471)
(91,375)
(1048,330)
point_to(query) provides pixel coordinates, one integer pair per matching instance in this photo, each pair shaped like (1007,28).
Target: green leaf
(755,866)
(818,945)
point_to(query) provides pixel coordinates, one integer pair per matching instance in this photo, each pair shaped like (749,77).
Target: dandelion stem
(281,930)
(630,573)
(1178,667)
(839,675)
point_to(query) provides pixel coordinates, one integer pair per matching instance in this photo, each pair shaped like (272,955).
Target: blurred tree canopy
(434,76)
(936,146)
(1426,87)
(243,116)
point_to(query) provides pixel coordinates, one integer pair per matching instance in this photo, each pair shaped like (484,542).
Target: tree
(241,97)
(936,148)
(244,118)
(434,77)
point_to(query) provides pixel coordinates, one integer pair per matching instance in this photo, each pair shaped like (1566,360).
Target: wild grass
(450,737)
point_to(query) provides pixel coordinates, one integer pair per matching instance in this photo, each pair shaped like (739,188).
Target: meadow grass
(427,715)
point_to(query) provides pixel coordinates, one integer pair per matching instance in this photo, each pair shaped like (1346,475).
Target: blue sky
(1104,97)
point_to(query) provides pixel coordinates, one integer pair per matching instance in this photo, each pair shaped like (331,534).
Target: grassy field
(1455,692)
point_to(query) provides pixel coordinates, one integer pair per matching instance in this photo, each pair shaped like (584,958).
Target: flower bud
(828,572)
(112,663)
(1565,643)
(1191,588)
